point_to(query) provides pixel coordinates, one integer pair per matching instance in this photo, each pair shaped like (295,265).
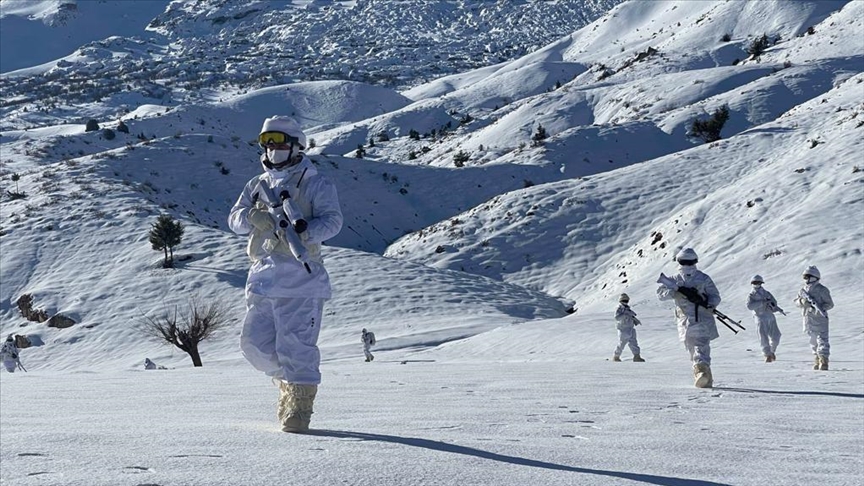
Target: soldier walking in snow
(368,340)
(695,296)
(10,356)
(764,305)
(626,321)
(814,299)
(287,283)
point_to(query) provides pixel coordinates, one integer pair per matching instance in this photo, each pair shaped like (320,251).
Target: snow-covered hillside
(486,254)
(596,208)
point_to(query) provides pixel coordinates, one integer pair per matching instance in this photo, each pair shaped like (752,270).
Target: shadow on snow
(519,461)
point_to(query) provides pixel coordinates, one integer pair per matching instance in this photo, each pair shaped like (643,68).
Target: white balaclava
(687,260)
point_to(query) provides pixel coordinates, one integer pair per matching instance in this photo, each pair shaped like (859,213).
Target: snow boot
(616,358)
(816,363)
(702,375)
(770,358)
(823,363)
(295,406)
(638,359)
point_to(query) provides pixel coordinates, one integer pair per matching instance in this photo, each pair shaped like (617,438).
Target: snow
(491,288)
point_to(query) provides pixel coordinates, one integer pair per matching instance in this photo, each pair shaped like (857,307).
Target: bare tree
(186,331)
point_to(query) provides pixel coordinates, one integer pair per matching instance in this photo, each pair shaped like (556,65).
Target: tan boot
(702,375)
(823,363)
(295,406)
(816,363)
(616,358)
(638,359)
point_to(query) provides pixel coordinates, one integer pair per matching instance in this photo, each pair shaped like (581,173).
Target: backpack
(372,338)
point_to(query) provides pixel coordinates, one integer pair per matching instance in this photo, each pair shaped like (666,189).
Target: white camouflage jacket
(277,273)
(813,320)
(625,317)
(685,311)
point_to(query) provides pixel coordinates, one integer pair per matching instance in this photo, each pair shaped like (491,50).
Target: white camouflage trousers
(280,337)
(627,337)
(769,335)
(819,342)
(699,349)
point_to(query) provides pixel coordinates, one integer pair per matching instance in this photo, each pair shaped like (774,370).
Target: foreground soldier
(626,321)
(287,286)
(814,299)
(696,324)
(764,305)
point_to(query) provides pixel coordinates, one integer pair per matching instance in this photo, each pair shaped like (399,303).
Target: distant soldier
(626,322)
(815,301)
(150,365)
(9,355)
(764,305)
(368,340)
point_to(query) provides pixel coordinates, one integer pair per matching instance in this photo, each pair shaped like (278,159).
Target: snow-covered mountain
(596,208)
(469,242)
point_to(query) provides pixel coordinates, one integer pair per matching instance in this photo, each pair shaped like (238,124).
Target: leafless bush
(186,331)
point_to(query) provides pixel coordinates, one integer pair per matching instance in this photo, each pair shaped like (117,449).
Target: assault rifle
(693,296)
(286,217)
(774,307)
(806,296)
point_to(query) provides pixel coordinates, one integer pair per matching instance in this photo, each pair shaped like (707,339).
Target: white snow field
(490,283)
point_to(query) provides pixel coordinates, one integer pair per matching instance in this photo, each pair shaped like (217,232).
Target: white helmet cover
(285,124)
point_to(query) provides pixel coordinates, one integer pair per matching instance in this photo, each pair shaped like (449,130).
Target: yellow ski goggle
(277,138)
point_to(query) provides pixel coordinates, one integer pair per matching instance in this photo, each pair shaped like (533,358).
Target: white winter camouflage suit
(815,324)
(764,305)
(368,340)
(9,356)
(626,322)
(696,334)
(284,303)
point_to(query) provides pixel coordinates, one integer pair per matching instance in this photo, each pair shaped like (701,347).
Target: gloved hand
(300,226)
(260,219)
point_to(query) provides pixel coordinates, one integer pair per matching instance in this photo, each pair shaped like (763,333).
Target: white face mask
(278,157)
(687,271)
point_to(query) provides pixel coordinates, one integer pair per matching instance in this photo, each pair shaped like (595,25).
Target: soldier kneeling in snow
(9,355)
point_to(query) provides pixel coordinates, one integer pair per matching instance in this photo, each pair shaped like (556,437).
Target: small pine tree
(360,152)
(414,134)
(460,158)
(165,234)
(539,136)
(758,46)
(371,142)
(412,155)
(709,130)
